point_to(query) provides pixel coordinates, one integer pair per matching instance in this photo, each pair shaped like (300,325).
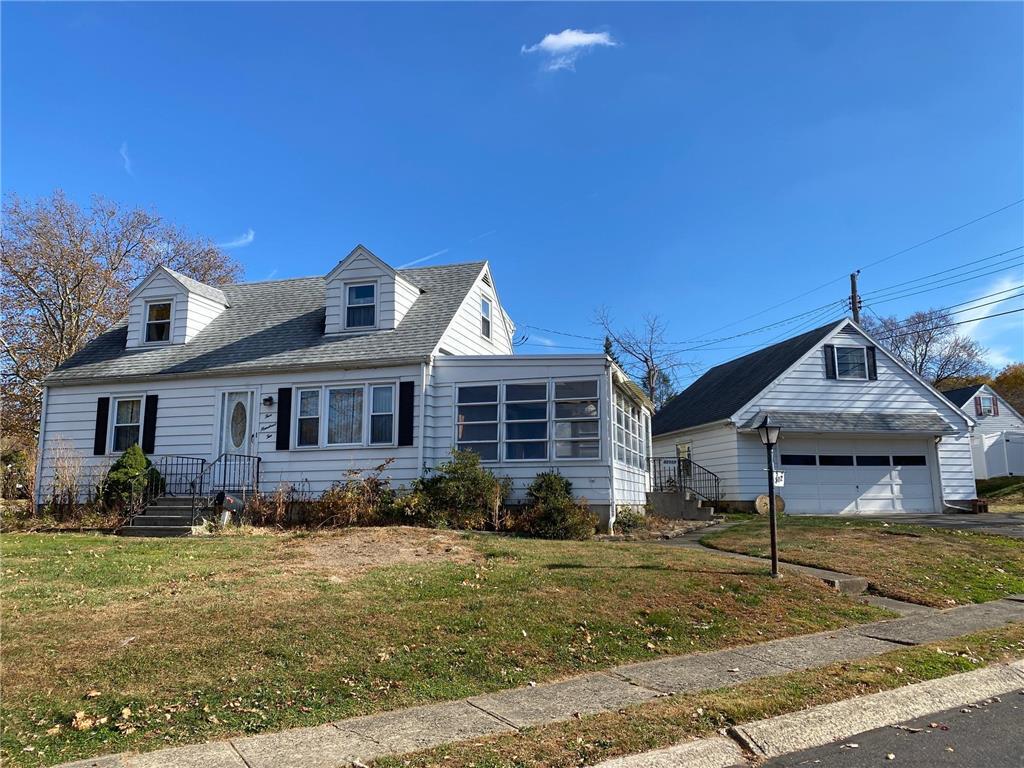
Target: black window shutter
(149,425)
(284,418)
(872,364)
(99,443)
(830,361)
(406,395)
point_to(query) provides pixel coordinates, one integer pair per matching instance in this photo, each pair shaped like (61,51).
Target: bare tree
(644,354)
(66,278)
(927,343)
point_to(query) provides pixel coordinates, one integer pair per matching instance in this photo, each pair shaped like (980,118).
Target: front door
(236,422)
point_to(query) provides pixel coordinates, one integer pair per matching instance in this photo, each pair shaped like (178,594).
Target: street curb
(715,752)
(828,723)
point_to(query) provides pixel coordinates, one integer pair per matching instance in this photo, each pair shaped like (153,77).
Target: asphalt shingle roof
(726,388)
(215,294)
(801,421)
(280,325)
(960,396)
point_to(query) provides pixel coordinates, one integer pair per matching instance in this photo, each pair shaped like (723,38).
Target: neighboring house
(861,433)
(999,435)
(318,376)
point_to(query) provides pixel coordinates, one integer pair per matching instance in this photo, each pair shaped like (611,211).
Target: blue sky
(700,161)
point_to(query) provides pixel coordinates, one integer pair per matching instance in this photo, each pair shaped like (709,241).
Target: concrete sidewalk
(363,739)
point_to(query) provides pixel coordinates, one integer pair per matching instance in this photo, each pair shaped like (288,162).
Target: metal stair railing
(167,476)
(673,475)
(229,473)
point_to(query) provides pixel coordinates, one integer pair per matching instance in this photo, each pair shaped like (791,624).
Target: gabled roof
(726,388)
(186,282)
(362,251)
(961,395)
(279,325)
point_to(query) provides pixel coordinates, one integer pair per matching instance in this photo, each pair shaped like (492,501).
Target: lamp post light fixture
(769,434)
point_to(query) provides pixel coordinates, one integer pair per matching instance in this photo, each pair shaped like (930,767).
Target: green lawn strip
(590,739)
(208,638)
(908,562)
(995,487)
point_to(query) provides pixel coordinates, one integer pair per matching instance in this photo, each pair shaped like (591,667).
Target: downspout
(423,415)
(611,445)
(37,484)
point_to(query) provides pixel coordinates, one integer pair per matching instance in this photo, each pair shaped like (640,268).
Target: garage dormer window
(485,318)
(986,405)
(361,305)
(158,322)
(851,363)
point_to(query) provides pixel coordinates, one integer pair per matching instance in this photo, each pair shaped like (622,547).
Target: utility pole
(854,297)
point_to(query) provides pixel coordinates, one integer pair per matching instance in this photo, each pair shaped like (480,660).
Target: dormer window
(485,318)
(158,322)
(851,363)
(361,305)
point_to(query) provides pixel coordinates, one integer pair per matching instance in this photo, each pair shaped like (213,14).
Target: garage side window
(799,460)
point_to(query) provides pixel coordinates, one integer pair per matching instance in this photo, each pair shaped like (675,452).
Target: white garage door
(835,476)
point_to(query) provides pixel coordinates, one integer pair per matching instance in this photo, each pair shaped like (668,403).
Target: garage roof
(798,421)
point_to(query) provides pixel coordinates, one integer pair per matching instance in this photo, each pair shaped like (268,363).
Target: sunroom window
(526,421)
(361,305)
(476,420)
(158,322)
(577,431)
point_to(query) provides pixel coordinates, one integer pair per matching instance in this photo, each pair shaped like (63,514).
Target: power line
(950,325)
(910,284)
(939,287)
(907,283)
(562,333)
(925,320)
(962,303)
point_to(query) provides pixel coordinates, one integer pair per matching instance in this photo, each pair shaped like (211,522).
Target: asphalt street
(988,734)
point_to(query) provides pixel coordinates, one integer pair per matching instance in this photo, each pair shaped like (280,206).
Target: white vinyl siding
(988,424)
(394,295)
(463,336)
(190,312)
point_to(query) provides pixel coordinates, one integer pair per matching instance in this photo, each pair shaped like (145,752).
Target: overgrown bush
(128,478)
(459,494)
(16,474)
(360,499)
(282,506)
(552,512)
(630,519)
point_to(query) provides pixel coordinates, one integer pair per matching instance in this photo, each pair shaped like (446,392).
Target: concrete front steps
(165,516)
(680,505)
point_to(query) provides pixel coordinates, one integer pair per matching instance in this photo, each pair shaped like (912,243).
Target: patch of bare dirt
(347,553)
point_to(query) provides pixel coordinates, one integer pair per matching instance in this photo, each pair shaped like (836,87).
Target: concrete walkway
(363,739)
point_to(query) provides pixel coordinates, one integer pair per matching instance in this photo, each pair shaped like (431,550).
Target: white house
(999,435)
(313,377)
(861,433)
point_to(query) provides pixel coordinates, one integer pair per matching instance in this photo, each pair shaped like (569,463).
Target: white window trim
(835,356)
(376,305)
(551,420)
(642,449)
(170,321)
(324,412)
(991,408)
(547,421)
(488,316)
(112,419)
(555,420)
(496,442)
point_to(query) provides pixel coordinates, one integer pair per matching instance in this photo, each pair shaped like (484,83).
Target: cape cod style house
(300,381)
(998,439)
(861,433)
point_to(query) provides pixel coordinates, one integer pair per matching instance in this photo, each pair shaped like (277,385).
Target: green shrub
(630,519)
(552,512)
(459,494)
(128,477)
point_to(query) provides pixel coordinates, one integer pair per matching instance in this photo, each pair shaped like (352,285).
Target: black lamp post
(769,434)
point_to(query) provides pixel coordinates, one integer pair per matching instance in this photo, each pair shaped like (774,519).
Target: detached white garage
(861,433)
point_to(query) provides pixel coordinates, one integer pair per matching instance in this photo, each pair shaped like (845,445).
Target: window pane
(158,331)
(381,428)
(799,459)
(359,317)
(579,410)
(382,399)
(581,450)
(909,461)
(486,451)
(309,431)
(309,403)
(520,451)
(478,413)
(485,327)
(125,437)
(361,294)
(835,461)
(530,430)
(485,307)
(567,429)
(526,411)
(575,390)
(851,363)
(477,432)
(160,311)
(872,461)
(345,415)
(484,394)
(128,411)
(515,392)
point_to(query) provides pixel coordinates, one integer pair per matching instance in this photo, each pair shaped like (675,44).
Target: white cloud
(542,340)
(421,259)
(241,241)
(125,159)
(560,51)
(995,332)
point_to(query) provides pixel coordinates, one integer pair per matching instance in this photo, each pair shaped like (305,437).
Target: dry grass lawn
(161,642)
(923,565)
